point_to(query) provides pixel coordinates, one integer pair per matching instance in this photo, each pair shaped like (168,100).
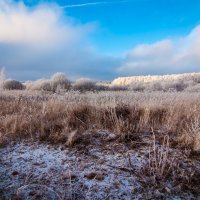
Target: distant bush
(84,85)
(59,81)
(102,85)
(174,85)
(118,88)
(101,88)
(12,85)
(193,88)
(138,87)
(60,84)
(41,84)
(155,86)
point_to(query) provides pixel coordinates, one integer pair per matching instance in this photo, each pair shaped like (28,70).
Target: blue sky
(139,21)
(126,23)
(100,39)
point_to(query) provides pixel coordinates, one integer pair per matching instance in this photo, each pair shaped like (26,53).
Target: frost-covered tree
(2,77)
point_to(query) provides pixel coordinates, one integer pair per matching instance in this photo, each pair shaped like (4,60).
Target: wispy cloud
(94,3)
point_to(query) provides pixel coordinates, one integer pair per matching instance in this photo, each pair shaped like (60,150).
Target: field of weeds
(99,145)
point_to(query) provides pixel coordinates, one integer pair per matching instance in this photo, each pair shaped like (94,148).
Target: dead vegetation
(116,122)
(61,118)
(168,171)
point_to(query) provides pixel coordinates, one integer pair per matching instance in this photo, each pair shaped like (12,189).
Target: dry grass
(160,164)
(168,171)
(54,117)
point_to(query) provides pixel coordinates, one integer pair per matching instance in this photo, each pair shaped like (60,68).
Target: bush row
(59,82)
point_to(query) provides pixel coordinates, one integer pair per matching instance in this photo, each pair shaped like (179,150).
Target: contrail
(93,3)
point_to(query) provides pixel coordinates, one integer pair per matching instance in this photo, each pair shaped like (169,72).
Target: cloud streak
(94,3)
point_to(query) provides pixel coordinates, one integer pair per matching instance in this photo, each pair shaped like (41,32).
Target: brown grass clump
(165,173)
(190,132)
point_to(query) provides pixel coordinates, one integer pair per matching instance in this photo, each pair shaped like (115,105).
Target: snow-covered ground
(34,170)
(99,170)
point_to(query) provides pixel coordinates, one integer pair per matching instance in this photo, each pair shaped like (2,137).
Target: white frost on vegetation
(146,79)
(175,82)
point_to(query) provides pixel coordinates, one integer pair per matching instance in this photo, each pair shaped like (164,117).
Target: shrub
(154,86)
(193,88)
(101,88)
(41,84)
(176,85)
(118,88)
(59,81)
(190,133)
(45,85)
(12,85)
(102,85)
(84,85)
(138,87)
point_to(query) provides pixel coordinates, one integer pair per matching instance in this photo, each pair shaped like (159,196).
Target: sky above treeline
(99,39)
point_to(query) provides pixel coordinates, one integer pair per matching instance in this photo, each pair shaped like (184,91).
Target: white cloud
(38,41)
(43,24)
(166,56)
